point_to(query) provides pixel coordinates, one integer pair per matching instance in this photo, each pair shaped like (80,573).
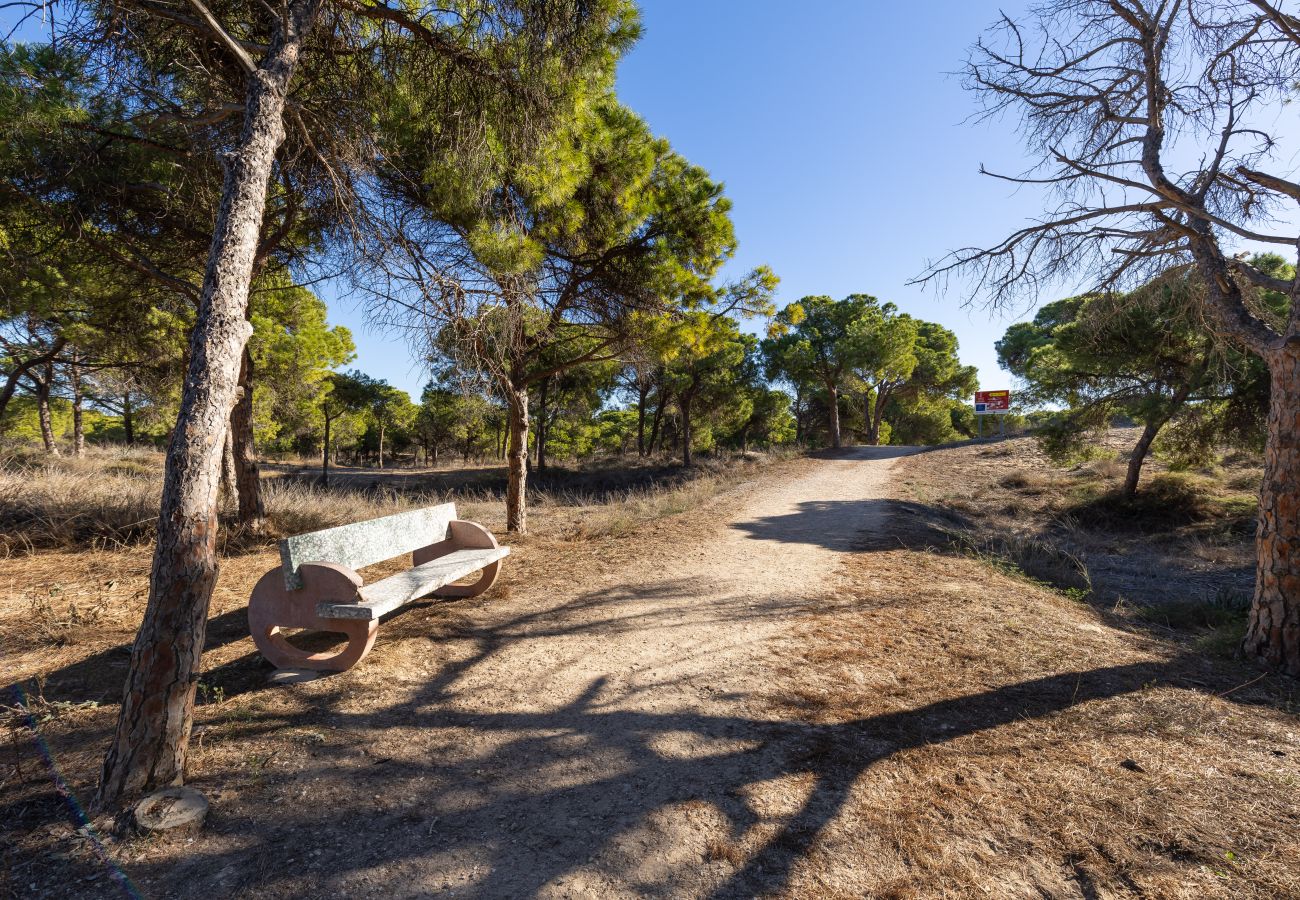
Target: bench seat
(316,586)
(381,597)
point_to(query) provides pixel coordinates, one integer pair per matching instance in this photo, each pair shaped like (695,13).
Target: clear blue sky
(839,133)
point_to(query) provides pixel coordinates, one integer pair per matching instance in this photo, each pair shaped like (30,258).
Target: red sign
(992,401)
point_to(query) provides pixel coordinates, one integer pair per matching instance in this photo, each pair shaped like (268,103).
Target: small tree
(817,341)
(344,394)
(1147,357)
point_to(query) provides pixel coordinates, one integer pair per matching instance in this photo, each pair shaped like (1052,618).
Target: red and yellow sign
(991,402)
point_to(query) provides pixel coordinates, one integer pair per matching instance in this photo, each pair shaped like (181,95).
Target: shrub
(1165,503)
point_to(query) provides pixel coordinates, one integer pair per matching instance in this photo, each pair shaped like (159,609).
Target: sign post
(992,403)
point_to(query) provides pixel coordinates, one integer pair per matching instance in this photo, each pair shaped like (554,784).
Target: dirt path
(606,742)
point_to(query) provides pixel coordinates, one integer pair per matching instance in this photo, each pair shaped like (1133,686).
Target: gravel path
(618,732)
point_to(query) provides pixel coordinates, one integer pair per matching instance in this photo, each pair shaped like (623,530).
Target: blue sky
(839,134)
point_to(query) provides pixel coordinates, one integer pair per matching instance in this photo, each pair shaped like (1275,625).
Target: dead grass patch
(999,740)
(109,499)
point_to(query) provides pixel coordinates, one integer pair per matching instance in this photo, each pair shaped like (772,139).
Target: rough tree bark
(78,423)
(128,419)
(44,382)
(1273,633)
(227,492)
(243,452)
(833,390)
(153,727)
(516,458)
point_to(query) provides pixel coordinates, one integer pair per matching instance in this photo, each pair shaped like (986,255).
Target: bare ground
(783,692)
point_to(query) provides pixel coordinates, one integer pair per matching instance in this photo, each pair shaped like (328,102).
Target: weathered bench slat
(381,597)
(363,544)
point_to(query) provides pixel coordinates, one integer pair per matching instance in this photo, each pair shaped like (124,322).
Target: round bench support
(273,608)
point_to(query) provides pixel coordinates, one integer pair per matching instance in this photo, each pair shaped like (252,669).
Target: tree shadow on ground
(544,796)
(525,831)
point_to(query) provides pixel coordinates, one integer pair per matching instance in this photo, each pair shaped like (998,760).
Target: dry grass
(109,499)
(1184,541)
(996,739)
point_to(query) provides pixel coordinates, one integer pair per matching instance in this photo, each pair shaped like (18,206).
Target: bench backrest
(365,543)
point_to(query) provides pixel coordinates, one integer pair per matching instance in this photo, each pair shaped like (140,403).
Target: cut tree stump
(173,810)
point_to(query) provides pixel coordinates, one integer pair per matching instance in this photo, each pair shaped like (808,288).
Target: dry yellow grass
(981,736)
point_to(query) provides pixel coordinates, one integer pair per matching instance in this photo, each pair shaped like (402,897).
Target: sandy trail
(609,741)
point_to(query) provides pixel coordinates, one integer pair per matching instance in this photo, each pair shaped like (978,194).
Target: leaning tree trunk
(517,459)
(1143,446)
(834,392)
(1137,457)
(1273,632)
(243,452)
(153,727)
(43,385)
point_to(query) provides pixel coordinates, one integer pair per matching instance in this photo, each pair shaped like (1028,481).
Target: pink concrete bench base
(326,594)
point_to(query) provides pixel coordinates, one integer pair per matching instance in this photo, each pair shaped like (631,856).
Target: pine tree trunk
(542,426)
(248,477)
(684,401)
(798,415)
(643,391)
(227,491)
(43,386)
(656,432)
(1137,457)
(152,735)
(1273,632)
(78,424)
(878,414)
(128,419)
(834,392)
(325,457)
(517,460)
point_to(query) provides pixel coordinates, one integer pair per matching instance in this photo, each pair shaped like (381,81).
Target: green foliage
(1145,356)
(294,352)
(906,370)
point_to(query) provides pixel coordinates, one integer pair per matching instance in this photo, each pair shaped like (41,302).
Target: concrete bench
(316,586)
